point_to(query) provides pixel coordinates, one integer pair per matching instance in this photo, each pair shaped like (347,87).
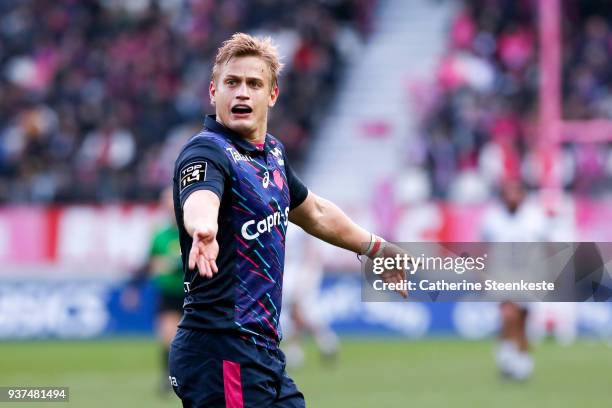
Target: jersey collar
(210,123)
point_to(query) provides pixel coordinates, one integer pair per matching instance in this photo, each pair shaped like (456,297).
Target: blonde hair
(244,45)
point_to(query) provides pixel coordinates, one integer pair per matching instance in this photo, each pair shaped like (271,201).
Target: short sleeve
(202,165)
(297,190)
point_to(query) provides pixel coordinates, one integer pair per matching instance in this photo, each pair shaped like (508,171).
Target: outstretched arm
(325,220)
(200,213)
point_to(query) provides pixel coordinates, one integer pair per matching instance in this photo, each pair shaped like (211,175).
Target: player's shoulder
(205,138)
(206,147)
(493,213)
(168,230)
(534,215)
(204,143)
(531,210)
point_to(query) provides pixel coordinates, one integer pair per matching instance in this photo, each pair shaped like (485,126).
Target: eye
(231,82)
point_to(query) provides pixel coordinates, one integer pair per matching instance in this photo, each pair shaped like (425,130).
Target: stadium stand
(97,96)
(480,118)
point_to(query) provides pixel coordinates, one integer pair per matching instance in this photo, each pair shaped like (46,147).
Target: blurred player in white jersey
(301,289)
(558,319)
(514,220)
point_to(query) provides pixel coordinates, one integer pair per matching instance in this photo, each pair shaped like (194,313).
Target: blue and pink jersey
(257,189)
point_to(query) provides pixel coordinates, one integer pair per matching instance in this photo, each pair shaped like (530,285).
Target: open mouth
(241,109)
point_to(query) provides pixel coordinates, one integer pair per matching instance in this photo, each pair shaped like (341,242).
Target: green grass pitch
(368,373)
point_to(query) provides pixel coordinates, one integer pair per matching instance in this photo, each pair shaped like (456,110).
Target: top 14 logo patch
(192,173)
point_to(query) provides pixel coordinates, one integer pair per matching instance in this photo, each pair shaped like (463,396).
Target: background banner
(69,309)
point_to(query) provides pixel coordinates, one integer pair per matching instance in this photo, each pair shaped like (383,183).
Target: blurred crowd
(97,96)
(479,119)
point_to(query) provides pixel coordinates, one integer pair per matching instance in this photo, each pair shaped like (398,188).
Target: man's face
(512,195)
(242,94)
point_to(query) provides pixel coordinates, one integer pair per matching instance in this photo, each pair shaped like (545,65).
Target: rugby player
(514,221)
(234,194)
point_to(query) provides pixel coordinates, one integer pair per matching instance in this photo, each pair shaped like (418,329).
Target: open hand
(204,252)
(394,275)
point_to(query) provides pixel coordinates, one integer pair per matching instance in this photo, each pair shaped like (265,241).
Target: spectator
(483,119)
(92,89)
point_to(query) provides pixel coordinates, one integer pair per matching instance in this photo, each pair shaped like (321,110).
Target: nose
(243,91)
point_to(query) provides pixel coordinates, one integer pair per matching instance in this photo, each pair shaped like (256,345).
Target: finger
(200,266)
(390,276)
(399,278)
(213,265)
(203,267)
(193,254)
(209,273)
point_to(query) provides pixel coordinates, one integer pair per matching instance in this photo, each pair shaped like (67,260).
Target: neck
(255,137)
(259,136)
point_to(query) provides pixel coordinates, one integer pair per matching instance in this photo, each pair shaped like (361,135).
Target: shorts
(169,303)
(213,369)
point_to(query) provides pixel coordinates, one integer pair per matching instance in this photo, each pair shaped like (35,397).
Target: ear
(273,96)
(211,92)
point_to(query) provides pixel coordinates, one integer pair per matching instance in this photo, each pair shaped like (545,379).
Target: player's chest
(259,178)
(516,229)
